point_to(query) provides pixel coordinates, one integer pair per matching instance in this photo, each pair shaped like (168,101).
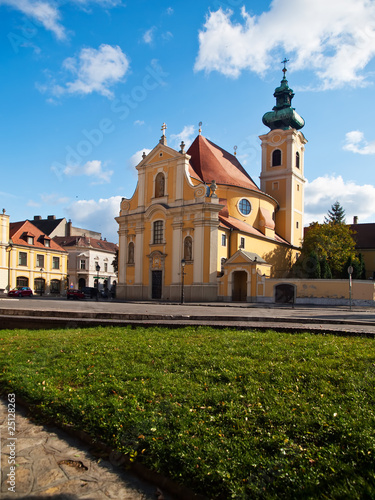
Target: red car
(74,294)
(20,291)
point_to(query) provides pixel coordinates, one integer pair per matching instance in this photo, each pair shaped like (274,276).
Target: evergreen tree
(336,215)
(362,266)
(357,269)
(325,270)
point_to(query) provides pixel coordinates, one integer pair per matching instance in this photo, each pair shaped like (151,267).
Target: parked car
(72,293)
(20,291)
(90,292)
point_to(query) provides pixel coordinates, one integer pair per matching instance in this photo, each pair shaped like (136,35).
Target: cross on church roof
(284,70)
(163,128)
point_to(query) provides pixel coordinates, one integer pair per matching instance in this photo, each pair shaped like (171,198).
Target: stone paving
(51,464)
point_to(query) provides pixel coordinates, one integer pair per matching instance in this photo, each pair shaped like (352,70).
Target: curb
(116,458)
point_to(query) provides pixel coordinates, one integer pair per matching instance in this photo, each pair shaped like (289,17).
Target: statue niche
(159,185)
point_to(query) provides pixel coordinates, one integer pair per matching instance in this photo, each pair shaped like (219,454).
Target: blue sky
(86,85)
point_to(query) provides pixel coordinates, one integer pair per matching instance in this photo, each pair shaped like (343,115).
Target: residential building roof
(364,235)
(47,225)
(210,162)
(19,231)
(86,242)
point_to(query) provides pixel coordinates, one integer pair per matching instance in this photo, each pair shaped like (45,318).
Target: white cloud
(139,122)
(148,36)
(96,70)
(32,203)
(53,199)
(335,39)
(321,193)
(137,158)
(356,143)
(92,168)
(41,11)
(97,215)
(47,13)
(169,11)
(187,135)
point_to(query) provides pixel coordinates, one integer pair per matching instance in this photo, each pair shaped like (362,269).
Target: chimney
(51,217)
(355,219)
(37,217)
(68,228)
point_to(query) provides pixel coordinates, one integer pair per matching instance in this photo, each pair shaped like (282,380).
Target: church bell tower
(282,175)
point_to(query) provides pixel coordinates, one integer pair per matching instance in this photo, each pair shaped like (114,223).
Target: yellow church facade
(198,228)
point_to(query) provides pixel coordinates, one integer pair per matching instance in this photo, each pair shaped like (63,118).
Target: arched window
(22,281)
(297,159)
(188,248)
(158,232)
(55,286)
(276,158)
(159,185)
(131,253)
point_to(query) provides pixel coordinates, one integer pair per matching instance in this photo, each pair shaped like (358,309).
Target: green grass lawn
(231,414)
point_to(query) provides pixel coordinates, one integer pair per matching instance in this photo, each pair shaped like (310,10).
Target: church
(198,228)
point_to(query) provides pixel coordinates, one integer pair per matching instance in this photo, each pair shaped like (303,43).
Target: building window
(276,158)
(159,185)
(30,240)
(55,262)
(55,286)
(242,242)
(297,187)
(22,281)
(188,248)
(82,264)
(297,159)
(275,186)
(22,259)
(131,253)
(46,243)
(223,240)
(105,267)
(40,261)
(244,206)
(297,225)
(158,231)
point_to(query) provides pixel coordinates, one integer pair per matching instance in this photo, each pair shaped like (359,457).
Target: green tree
(325,270)
(115,262)
(331,241)
(336,215)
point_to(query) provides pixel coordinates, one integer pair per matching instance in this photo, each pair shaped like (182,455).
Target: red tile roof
(85,242)
(233,223)
(18,232)
(210,162)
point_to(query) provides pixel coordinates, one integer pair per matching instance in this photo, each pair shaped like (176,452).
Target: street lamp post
(41,281)
(183,263)
(350,272)
(97,267)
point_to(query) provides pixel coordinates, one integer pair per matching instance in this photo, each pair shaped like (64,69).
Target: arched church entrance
(284,294)
(239,290)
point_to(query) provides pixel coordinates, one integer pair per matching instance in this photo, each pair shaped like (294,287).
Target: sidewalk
(51,464)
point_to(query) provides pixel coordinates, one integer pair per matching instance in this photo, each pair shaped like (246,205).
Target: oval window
(244,206)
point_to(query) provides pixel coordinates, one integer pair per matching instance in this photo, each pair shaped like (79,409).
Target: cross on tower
(284,68)
(163,128)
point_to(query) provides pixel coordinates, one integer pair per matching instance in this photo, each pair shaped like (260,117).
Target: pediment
(160,153)
(242,257)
